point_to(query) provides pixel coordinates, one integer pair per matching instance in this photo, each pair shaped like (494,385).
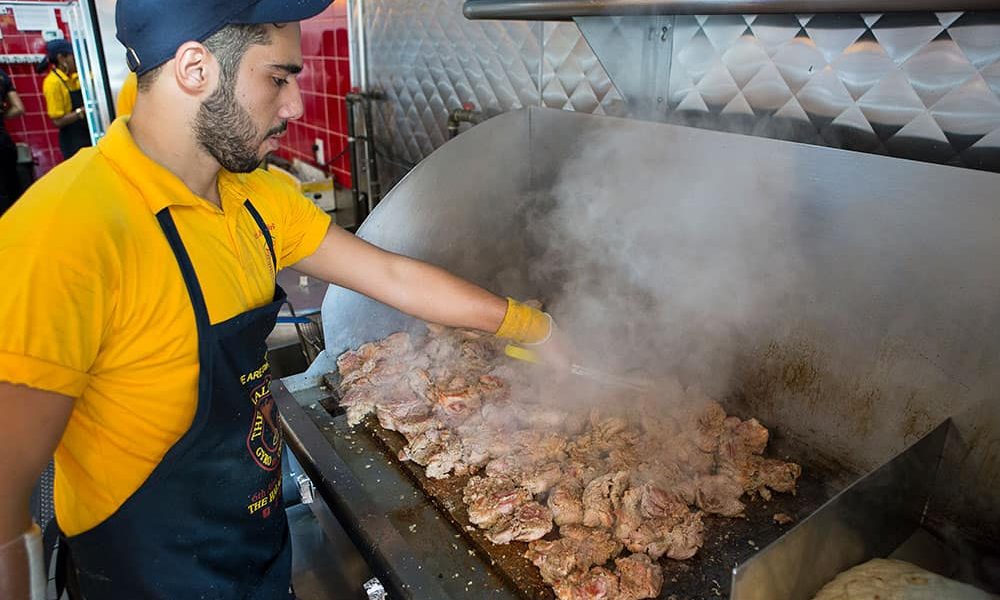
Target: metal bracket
(307,491)
(373,587)
(636,52)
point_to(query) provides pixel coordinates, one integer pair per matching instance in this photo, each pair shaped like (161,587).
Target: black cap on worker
(153,30)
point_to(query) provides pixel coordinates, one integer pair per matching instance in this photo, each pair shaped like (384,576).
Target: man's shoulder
(84,192)
(50,80)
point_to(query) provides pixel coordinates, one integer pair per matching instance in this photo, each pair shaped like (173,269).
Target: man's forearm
(433,294)
(35,421)
(67,119)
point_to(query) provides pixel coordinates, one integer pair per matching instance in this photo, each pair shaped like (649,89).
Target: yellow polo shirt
(127,95)
(94,306)
(56,87)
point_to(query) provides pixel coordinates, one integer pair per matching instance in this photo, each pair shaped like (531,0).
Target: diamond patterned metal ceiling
(924,86)
(919,86)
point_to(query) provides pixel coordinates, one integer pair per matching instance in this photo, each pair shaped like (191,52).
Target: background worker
(10,107)
(150,264)
(64,98)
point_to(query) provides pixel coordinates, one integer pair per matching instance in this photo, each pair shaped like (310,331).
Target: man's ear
(195,69)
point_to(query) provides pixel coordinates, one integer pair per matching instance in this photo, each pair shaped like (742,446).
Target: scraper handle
(526,355)
(520,353)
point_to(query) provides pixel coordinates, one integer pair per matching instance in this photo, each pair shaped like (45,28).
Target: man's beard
(224,128)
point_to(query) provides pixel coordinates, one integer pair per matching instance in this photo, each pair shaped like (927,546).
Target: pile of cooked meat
(599,494)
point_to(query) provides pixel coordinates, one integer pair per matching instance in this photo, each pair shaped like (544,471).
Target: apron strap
(187,267)
(187,270)
(263,229)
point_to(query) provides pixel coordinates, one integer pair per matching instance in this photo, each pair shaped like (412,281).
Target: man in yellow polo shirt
(140,291)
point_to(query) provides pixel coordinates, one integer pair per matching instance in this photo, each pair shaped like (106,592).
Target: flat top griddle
(708,574)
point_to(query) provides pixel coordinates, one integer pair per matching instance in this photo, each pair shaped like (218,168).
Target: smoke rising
(663,262)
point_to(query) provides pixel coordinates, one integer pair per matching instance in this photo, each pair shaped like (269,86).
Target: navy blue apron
(75,136)
(209,522)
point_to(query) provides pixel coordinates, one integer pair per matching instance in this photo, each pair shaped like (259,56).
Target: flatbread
(884,579)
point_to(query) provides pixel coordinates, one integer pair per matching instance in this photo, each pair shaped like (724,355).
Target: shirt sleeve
(55,306)
(57,100)
(303,224)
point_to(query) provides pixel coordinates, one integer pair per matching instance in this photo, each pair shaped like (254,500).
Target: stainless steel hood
(551,10)
(886,77)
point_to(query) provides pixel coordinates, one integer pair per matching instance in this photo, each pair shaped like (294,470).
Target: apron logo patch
(262,500)
(264,437)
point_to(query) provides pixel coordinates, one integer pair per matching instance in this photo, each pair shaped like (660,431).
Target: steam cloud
(663,262)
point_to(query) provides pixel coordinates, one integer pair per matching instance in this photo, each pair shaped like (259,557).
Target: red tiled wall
(325,79)
(34,127)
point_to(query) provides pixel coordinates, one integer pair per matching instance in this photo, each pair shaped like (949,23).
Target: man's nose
(292,107)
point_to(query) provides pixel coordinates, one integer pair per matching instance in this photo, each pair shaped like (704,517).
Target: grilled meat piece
(575,552)
(650,520)
(400,407)
(742,439)
(536,478)
(358,402)
(596,584)
(710,425)
(554,559)
(489,498)
(529,521)
(447,460)
(566,503)
(541,479)
(601,497)
(761,475)
(593,546)
(440,451)
(638,577)
(720,495)
(425,445)
(779,475)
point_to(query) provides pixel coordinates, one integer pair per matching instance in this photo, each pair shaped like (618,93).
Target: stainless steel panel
(915,85)
(565,9)
(428,60)
(572,78)
(638,51)
(870,519)
(923,86)
(883,323)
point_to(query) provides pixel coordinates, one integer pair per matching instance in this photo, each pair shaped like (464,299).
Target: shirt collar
(159,187)
(66,76)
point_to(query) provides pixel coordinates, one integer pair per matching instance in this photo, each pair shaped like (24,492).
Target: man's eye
(280,82)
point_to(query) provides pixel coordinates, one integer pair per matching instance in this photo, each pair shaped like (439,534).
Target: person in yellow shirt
(64,98)
(126,96)
(140,290)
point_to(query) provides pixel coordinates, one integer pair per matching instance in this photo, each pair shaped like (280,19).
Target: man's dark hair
(228,45)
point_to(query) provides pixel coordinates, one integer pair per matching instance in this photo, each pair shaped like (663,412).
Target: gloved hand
(536,331)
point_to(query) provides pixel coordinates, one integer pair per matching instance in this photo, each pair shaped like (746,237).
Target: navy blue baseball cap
(153,30)
(56,47)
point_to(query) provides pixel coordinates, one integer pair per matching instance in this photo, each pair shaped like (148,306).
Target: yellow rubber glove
(524,324)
